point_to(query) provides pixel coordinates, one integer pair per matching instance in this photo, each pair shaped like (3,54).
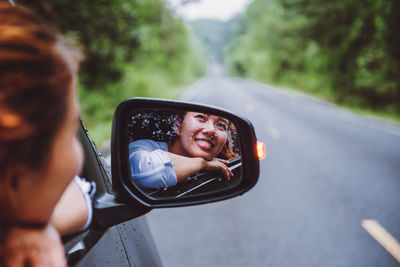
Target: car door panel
(139,245)
(108,251)
(126,244)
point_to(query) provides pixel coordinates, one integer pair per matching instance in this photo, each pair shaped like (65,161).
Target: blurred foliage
(131,48)
(346,51)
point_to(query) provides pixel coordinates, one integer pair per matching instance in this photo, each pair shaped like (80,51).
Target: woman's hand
(217,164)
(32,247)
(185,166)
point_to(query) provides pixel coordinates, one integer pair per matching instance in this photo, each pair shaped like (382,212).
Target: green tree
(131,48)
(346,50)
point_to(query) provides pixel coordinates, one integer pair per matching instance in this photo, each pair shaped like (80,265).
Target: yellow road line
(384,238)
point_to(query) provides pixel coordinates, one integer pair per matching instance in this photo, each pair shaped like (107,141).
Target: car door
(126,244)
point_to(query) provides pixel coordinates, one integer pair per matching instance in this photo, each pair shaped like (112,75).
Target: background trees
(131,48)
(347,51)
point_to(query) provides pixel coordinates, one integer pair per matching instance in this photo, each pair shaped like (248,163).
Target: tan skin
(47,196)
(201,138)
(39,191)
(30,247)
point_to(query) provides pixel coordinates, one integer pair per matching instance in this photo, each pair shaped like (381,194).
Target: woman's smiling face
(202,135)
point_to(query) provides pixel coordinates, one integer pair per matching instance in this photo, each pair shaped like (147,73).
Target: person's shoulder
(147,144)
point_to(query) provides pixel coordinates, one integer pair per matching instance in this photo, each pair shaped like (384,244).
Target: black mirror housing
(126,191)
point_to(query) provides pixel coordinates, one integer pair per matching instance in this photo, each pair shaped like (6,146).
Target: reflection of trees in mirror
(155,125)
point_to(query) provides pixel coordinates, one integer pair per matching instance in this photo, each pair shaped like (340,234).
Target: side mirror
(167,153)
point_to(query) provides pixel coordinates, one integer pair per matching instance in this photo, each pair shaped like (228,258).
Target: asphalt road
(325,172)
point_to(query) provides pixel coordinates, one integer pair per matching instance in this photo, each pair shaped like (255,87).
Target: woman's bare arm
(71,212)
(185,166)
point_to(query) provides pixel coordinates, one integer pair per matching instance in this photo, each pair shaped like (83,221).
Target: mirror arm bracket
(107,211)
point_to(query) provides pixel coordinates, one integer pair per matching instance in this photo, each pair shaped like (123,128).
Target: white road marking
(384,238)
(273,132)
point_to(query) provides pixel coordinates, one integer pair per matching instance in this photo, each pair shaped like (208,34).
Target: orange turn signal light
(260,150)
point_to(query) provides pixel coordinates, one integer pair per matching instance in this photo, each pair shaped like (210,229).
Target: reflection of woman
(39,151)
(202,144)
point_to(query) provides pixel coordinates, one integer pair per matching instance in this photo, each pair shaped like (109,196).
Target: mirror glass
(176,154)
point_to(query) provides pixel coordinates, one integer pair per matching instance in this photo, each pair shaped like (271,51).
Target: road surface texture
(326,172)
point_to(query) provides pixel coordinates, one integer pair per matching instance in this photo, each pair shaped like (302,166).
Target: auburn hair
(35,77)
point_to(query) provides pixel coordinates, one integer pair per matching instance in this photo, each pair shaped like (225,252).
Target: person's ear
(177,128)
